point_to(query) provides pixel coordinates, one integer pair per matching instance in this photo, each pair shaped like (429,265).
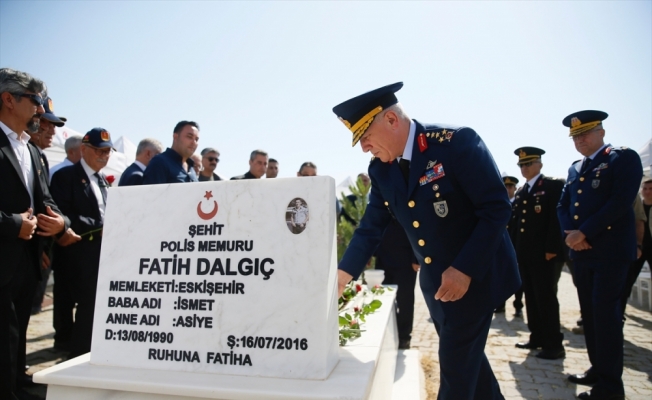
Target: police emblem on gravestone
(297,215)
(213,207)
(595,183)
(441,208)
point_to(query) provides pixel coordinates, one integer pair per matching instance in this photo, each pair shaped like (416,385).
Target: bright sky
(267,74)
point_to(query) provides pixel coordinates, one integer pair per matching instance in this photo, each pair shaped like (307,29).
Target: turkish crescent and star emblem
(212,213)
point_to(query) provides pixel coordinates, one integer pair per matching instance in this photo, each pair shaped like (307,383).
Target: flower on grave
(354,323)
(356,309)
(358,288)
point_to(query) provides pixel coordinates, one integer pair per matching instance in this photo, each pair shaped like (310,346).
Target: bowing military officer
(537,240)
(597,218)
(510,183)
(441,184)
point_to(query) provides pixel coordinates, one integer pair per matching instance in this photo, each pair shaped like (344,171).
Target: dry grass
(431,371)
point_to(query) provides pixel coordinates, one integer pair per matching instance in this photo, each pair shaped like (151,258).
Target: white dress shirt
(95,186)
(531,182)
(19,144)
(407,151)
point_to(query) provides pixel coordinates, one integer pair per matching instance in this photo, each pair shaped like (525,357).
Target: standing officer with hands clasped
(443,187)
(596,215)
(537,240)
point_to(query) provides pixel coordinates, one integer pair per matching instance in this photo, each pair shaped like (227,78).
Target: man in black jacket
(27,214)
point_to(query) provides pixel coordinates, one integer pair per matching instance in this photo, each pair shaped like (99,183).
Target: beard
(33,125)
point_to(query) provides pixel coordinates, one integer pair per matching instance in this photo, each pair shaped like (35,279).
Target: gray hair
(396,108)
(209,150)
(149,143)
(17,82)
(72,142)
(257,153)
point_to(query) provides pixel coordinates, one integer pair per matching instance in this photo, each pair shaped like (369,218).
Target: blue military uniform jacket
(599,204)
(454,209)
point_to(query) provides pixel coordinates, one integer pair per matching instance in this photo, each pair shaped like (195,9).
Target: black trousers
(403,275)
(63,306)
(540,279)
(600,286)
(632,274)
(15,310)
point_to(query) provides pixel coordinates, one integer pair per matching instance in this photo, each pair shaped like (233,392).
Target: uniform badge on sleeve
(441,208)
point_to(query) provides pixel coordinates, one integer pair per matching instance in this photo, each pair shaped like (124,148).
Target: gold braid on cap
(577,127)
(363,123)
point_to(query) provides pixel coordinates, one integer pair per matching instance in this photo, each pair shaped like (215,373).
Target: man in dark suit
(80,191)
(257,166)
(133,174)
(27,213)
(447,195)
(597,218)
(537,241)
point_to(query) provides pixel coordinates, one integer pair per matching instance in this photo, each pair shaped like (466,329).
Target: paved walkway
(521,376)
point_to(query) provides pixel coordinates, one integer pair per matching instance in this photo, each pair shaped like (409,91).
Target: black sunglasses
(36,99)
(527,164)
(211,159)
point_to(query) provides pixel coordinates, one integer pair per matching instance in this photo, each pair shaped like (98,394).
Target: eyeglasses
(35,98)
(211,159)
(527,164)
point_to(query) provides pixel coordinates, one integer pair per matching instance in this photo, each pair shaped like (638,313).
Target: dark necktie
(526,188)
(102,184)
(585,166)
(46,164)
(405,168)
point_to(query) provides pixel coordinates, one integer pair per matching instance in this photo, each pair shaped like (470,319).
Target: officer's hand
(550,256)
(583,245)
(45,261)
(28,225)
(50,224)
(416,267)
(454,285)
(574,237)
(68,238)
(343,279)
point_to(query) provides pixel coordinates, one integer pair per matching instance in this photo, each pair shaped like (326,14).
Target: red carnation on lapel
(110,179)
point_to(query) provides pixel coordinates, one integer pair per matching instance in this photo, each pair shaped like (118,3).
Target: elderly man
(272,169)
(73,154)
(147,149)
(257,166)
(209,160)
(597,218)
(536,235)
(443,187)
(174,164)
(81,190)
(27,214)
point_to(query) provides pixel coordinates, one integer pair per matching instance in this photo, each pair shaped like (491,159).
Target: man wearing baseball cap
(82,192)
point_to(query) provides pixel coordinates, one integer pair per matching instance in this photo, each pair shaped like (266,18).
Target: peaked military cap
(359,112)
(98,137)
(528,154)
(510,180)
(49,113)
(583,121)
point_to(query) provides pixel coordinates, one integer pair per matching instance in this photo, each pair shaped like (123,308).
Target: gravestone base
(366,370)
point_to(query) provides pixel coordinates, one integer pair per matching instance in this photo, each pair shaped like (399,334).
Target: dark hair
(271,160)
(307,164)
(647,181)
(179,127)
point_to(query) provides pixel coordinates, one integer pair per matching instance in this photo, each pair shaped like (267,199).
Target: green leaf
(348,317)
(343,321)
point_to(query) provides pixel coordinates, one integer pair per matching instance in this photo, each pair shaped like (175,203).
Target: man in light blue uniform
(597,220)
(447,194)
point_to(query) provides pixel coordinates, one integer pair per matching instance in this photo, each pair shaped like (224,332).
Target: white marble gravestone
(232,278)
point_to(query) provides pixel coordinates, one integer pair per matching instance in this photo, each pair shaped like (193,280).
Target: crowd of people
(454,233)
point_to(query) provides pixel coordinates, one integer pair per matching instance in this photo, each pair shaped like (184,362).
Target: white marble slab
(226,276)
(365,372)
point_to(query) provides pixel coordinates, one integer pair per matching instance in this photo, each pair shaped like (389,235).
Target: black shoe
(404,344)
(528,345)
(547,354)
(499,310)
(587,378)
(62,346)
(588,396)
(518,313)
(25,380)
